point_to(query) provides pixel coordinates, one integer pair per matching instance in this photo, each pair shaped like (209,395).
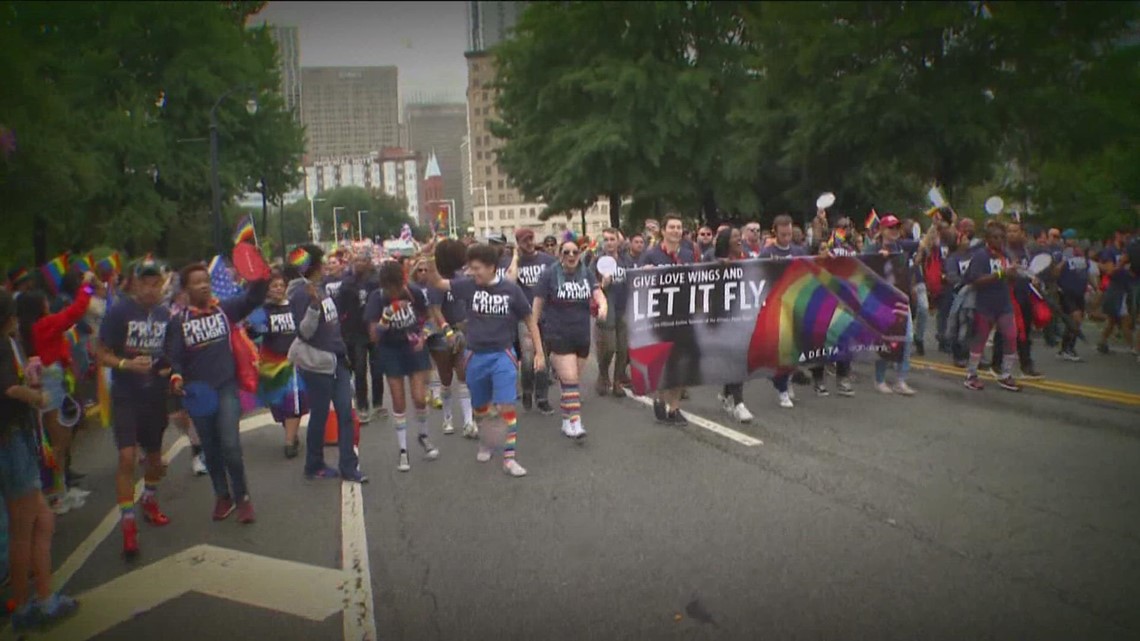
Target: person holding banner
(396,313)
(562,300)
(672,250)
(839,244)
(613,332)
(494,307)
(783,247)
(728,247)
(890,243)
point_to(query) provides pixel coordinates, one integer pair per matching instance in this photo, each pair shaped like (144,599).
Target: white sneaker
(483,455)
(471,430)
(448,428)
(786,400)
(844,388)
(883,388)
(431,452)
(902,388)
(77,494)
(741,413)
(791,391)
(577,429)
(567,428)
(365,416)
(404,465)
(198,465)
(725,402)
(512,467)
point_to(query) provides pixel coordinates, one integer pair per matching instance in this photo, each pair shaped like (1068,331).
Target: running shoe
(1031,374)
(55,608)
(726,403)
(152,513)
(365,416)
(786,401)
(883,388)
(483,455)
(676,418)
(578,431)
(448,428)
(198,465)
(355,477)
(403,465)
(567,428)
(902,388)
(974,383)
(293,449)
(1009,384)
(659,412)
(431,452)
(1072,357)
(511,467)
(741,413)
(544,407)
(325,472)
(223,508)
(245,514)
(602,387)
(821,390)
(618,391)
(844,388)
(470,430)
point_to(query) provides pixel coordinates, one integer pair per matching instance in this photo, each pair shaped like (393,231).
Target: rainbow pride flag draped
(278,387)
(103,395)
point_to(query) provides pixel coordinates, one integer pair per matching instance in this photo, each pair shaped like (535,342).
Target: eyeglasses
(569,252)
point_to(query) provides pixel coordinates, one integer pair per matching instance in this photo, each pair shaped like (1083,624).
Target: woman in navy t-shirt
(562,300)
(279,386)
(396,314)
(449,342)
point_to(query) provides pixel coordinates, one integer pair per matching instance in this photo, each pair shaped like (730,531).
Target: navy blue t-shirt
(493,312)
(328,336)
(566,304)
(617,291)
(408,319)
(1122,277)
(130,330)
(775,251)
(452,308)
(1074,277)
(531,269)
(280,328)
(656,255)
(199,340)
(993,298)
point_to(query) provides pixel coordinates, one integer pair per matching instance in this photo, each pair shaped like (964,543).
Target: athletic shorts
(565,347)
(139,422)
(19,464)
(492,377)
(54,386)
(401,360)
(1115,303)
(1072,302)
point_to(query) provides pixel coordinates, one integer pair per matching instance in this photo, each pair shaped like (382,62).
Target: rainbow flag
(246,232)
(110,264)
(54,271)
(103,395)
(17,276)
(872,220)
(82,264)
(299,258)
(820,309)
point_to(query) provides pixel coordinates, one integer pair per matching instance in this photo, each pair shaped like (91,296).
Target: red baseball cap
(522,233)
(890,221)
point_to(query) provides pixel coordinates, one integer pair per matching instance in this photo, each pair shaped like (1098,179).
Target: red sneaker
(245,511)
(130,529)
(152,513)
(223,508)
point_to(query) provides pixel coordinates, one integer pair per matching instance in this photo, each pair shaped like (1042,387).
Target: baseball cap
(1069,234)
(147,267)
(522,233)
(890,221)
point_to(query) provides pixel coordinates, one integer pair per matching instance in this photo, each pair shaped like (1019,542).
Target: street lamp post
(360,223)
(313,228)
(215,186)
(336,226)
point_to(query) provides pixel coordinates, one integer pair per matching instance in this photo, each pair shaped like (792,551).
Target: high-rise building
(439,129)
(349,111)
(288,43)
(393,171)
(488,23)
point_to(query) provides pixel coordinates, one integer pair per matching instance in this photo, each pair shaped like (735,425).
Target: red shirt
(47,333)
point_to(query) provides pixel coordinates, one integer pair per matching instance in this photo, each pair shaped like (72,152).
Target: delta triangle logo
(647,364)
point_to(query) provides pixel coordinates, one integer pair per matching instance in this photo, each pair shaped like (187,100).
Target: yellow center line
(1071,389)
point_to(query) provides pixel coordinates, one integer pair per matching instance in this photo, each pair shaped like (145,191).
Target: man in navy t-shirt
(1114,263)
(531,264)
(991,272)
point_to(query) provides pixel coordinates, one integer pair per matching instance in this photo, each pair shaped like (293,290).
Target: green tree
(384,216)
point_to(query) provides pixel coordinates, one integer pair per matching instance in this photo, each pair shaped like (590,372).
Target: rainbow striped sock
(510,417)
(401,423)
(571,403)
(149,490)
(126,510)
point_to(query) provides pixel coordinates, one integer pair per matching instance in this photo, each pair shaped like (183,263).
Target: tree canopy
(109,106)
(723,109)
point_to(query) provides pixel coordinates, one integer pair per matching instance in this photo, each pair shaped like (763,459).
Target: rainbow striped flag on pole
(246,232)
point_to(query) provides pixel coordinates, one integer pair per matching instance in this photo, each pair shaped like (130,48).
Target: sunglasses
(705,233)
(569,252)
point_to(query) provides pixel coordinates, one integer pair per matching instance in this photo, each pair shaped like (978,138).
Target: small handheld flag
(872,220)
(246,232)
(53,272)
(111,264)
(300,258)
(221,280)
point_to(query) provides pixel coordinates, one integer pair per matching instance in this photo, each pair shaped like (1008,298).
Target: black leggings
(736,391)
(842,370)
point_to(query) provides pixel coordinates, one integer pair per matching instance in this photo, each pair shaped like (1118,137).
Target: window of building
(510,213)
(483,97)
(502,214)
(501,186)
(488,169)
(502,199)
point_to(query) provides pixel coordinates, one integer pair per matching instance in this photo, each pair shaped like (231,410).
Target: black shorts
(1072,302)
(139,422)
(564,347)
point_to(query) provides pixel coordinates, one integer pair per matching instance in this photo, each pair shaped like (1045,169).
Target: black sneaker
(1102,348)
(919,348)
(1031,373)
(544,407)
(527,400)
(1009,384)
(293,449)
(659,410)
(676,418)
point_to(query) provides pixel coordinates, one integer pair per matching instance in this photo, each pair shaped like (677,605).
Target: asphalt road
(950,515)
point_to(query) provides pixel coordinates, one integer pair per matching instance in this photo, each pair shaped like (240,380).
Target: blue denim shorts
(19,464)
(401,360)
(54,386)
(492,377)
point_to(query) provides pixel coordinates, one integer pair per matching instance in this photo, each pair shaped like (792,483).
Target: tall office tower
(349,111)
(488,23)
(439,129)
(288,43)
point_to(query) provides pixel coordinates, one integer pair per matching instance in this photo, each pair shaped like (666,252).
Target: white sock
(465,404)
(445,396)
(401,423)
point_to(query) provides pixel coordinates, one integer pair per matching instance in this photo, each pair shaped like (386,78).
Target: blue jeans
(921,311)
(221,443)
(323,390)
(904,364)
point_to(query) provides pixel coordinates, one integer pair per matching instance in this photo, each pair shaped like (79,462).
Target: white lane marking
(254,580)
(82,553)
(701,421)
(359,612)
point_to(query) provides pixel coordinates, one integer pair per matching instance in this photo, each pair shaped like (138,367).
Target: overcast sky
(424,40)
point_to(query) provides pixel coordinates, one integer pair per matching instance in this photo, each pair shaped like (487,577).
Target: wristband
(88,289)
(122,362)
